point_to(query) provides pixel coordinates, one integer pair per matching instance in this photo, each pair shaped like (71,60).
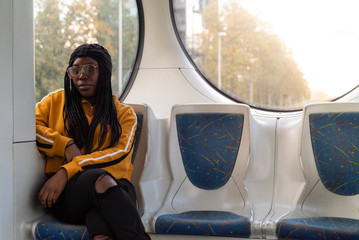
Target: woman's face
(85,76)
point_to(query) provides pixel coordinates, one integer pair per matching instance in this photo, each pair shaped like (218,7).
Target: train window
(61,26)
(273,54)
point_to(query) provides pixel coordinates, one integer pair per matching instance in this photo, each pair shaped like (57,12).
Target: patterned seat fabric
(335,141)
(58,230)
(319,228)
(204,223)
(209,144)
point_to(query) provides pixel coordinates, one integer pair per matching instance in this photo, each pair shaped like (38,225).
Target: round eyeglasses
(87,69)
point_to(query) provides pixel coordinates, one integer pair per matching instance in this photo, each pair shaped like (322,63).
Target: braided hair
(75,121)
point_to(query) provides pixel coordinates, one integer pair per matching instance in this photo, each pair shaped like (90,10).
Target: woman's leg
(78,197)
(97,226)
(77,204)
(117,204)
(101,237)
(114,201)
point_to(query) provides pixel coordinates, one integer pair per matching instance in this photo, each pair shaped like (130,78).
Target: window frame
(141,39)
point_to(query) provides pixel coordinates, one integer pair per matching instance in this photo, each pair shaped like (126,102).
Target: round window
(273,54)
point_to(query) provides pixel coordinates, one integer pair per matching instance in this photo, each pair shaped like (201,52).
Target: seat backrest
(335,141)
(139,151)
(208,153)
(329,156)
(209,144)
(137,135)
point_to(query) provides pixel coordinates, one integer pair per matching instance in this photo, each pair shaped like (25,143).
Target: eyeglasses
(87,69)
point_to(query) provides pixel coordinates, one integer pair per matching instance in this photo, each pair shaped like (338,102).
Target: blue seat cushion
(53,229)
(214,223)
(318,228)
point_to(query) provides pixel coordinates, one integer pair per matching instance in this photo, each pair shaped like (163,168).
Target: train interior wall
(274,178)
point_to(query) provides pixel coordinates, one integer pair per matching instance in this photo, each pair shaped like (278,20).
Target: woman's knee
(104,182)
(101,237)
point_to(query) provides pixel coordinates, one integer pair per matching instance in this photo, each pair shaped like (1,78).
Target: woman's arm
(52,189)
(110,156)
(49,124)
(71,151)
(49,141)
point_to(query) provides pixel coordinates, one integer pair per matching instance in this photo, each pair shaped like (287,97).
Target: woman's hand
(52,189)
(71,151)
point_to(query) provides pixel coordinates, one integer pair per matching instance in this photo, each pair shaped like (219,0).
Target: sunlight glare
(323,36)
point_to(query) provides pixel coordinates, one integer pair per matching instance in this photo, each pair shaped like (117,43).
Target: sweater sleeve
(48,140)
(109,156)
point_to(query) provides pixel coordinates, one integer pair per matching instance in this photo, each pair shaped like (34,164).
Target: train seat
(49,228)
(208,155)
(328,205)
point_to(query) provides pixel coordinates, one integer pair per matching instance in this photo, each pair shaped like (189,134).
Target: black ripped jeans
(112,213)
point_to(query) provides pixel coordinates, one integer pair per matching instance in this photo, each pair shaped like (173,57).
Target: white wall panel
(161,48)
(260,172)
(161,89)
(23,71)
(6,121)
(28,180)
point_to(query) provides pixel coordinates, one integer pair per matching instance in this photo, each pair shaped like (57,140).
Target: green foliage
(61,26)
(256,66)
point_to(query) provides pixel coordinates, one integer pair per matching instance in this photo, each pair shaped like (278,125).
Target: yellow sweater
(52,139)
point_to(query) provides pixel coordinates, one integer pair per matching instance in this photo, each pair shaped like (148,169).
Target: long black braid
(75,121)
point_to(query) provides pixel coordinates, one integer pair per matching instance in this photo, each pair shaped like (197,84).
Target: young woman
(87,137)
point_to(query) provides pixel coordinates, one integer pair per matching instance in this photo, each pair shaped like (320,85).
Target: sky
(323,36)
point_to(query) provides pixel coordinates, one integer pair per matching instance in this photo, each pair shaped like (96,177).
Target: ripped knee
(104,182)
(101,237)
